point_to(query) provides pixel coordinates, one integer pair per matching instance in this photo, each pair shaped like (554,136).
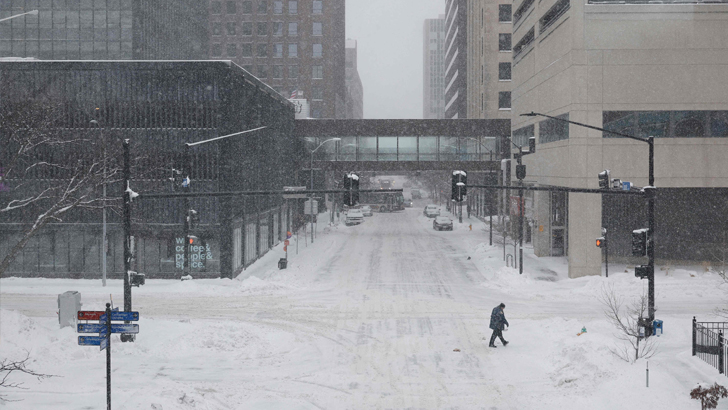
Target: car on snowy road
(442,223)
(354,217)
(367,210)
(408,203)
(431,211)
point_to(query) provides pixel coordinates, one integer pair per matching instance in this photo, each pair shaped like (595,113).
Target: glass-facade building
(105,29)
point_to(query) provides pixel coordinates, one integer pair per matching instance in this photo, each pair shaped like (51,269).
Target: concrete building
(354,88)
(105,30)
(640,69)
(292,45)
(456,59)
(433,84)
(489,59)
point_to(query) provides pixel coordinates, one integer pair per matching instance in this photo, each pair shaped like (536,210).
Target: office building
(489,59)
(296,46)
(105,30)
(354,88)
(639,69)
(433,51)
(456,59)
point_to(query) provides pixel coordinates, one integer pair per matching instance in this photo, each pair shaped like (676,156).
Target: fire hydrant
(471,227)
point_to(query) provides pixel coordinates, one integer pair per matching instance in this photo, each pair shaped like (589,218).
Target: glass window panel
(277,50)
(318,29)
(262,6)
(262,71)
(690,124)
(318,50)
(504,71)
(293,29)
(619,121)
(247,7)
(216,29)
(318,72)
(232,50)
(428,148)
(653,124)
(231,7)
(246,50)
(231,28)
(278,28)
(719,124)
(216,50)
(262,28)
(293,72)
(387,149)
(318,6)
(293,7)
(449,149)
(407,149)
(277,7)
(347,149)
(504,100)
(367,148)
(504,42)
(247,28)
(504,13)
(293,51)
(262,50)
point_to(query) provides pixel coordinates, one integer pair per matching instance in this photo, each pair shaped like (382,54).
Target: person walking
(497,320)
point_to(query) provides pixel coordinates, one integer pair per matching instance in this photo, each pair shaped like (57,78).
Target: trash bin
(282,263)
(656,325)
(69,303)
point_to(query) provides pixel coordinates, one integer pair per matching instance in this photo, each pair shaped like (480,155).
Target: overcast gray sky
(389,36)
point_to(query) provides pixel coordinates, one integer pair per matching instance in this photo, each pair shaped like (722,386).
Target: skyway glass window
(504,13)
(504,42)
(551,130)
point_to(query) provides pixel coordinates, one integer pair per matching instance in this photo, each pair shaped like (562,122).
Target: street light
(650,193)
(311,200)
(32,12)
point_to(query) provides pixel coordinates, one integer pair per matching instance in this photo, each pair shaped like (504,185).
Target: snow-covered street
(389,314)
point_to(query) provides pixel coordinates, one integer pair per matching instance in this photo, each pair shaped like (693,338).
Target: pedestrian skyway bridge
(405,145)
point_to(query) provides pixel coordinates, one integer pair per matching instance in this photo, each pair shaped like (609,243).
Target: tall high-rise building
(105,30)
(433,104)
(456,59)
(489,59)
(354,87)
(292,45)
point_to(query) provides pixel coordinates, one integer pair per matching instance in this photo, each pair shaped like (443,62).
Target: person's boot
(505,343)
(492,346)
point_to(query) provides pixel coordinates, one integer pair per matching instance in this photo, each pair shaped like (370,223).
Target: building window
(248,68)
(504,42)
(524,43)
(277,7)
(247,29)
(551,130)
(521,135)
(262,50)
(318,29)
(278,50)
(262,28)
(666,124)
(293,29)
(504,100)
(318,7)
(216,7)
(246,50)
(521,10)
(262,6)
(293,7)
(318,72)
(317,93)
(248,7)
(293,72)
(230,27)
(277,71)
(216,50)
(216,29)
(504,71)
(277,28)
(504,13)
(231,7)
(551,16)
(293,51)
(232,50)
(318,50)
(262,71)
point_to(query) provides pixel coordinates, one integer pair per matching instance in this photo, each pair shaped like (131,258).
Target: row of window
(276,71)
(667,124)
(549,130)
(246,7)
(246,29)
(262,50)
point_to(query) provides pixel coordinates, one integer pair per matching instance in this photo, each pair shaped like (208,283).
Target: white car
(367,210)
(431,211)
(354,217)
(442,223)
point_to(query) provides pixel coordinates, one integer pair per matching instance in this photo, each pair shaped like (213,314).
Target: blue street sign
(626,186)
(90,340)
(101,328)
(126,316)
(104,343)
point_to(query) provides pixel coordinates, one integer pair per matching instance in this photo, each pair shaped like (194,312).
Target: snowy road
(388,315)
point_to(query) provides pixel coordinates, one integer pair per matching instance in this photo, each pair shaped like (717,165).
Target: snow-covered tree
(628,321)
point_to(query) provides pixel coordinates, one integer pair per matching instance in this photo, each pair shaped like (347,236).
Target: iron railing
(709,343)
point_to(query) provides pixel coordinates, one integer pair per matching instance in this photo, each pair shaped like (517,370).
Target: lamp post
(490,204)
(104,242)
(311,200)
(32,12)
(650,192)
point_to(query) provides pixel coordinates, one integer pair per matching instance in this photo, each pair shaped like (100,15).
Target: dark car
(408,203)
(442,223)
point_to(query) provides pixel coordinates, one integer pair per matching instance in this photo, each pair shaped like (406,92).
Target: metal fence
(709,343)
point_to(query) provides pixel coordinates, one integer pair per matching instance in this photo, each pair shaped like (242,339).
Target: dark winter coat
(498,318)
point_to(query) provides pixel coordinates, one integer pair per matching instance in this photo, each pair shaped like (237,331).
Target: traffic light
(351,185)
(459,186)
(532,145)
(604,180)
(639,242)
(643,271)
(601,242)
(193,218)
(520,172)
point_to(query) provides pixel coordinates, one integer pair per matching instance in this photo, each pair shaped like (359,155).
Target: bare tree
(8,367)
(627,321)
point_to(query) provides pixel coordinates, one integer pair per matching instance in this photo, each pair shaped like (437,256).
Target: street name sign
(293,195)
(99,328)
(125,316)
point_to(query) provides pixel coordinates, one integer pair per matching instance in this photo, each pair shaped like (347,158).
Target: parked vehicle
(354,217)
(367,210)
(408,203)
(442,223)
(416,194)
(431,211)
(382,201)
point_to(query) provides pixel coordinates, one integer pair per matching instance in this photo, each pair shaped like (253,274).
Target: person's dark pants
(497,333)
